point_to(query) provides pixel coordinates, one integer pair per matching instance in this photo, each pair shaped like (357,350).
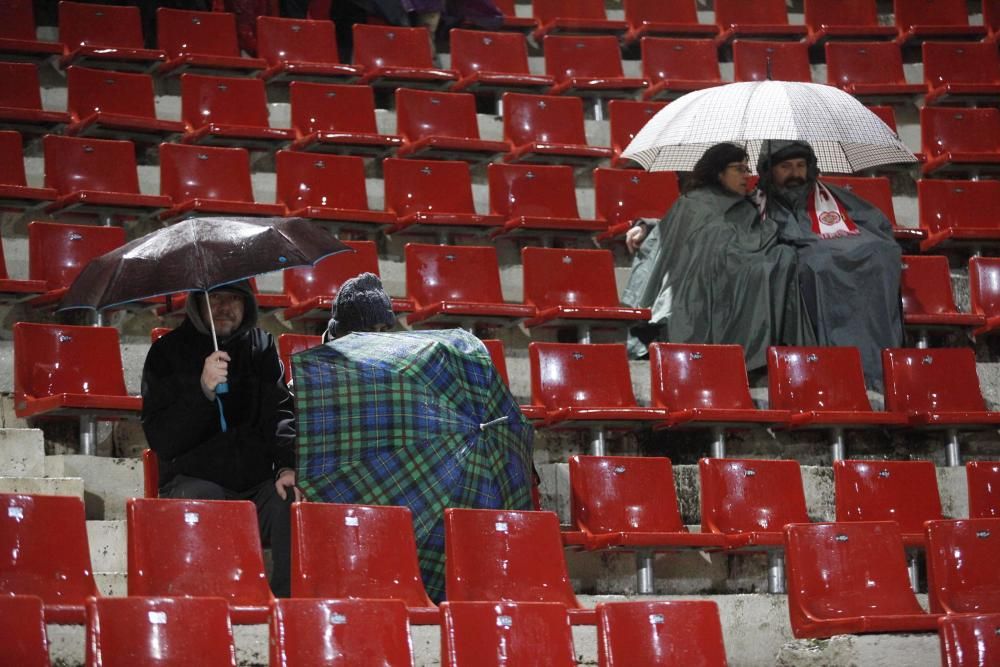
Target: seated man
(237,445)
(849,263)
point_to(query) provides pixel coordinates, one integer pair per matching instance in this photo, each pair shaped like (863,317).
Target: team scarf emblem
(829,219)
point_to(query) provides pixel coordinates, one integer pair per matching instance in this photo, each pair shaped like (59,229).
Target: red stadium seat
(969,640)
(329,189)
(886,114)
(395,57)
(13,290)
(573,17)
(660,633)
(291,343)
(115,105)
(960,141)
(22,623)
(531,412)
(511,21)
(959,73)
(765,19)
(488,634)
(442,126)
(991,17)
(358,551)
(678,66)
(622,197)
(625,119)
(202,42)
(962,576)
(548,129)
(332,632)
(928,302)
(877,191)
(983,478)
(755,60)
(14,191)
(589,67)
(207,180)
(96,177)
(338,119)
(222,111)
(871,71)
(919,20)
(458,284)
(958,214)
(215,552)
(301,50)
(493,63)
(17,34)
(847,19)
(150,474)
(706,387)
(44,552)
(159,630)
(507,556)
(104,36)
(21,102)
(58,252)
(664,18)
(849,578)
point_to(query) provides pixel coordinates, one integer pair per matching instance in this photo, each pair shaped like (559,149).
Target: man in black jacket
(237,445)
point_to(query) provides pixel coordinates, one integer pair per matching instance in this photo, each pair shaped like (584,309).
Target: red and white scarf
(829,218)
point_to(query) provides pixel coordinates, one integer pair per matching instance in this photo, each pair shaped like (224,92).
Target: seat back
(495,348)
(11,158)
(802,379)
(925,285)
(820,13)
(452,273)
(223,100)
(325,277)
(486,634)
(660,633)
(542,118)
(748,495)
(991,15)
(983,478)
(90,91)
(911,13)
(355,551)
(969,639)
(21,87)
(340,632)
(622,196)
(17,20)
(698,376)
(954,204)
(307,179)
(159,630)
(58,252)
(960,62)
(668,59)
(497,52)
(638,12)
(214,550)
(568,57)
(425,113)
(150,474)
(432,186)
(863,62)
(949,130)
(532,190)
(22,624)
(505,556)
(289,344)
(984,285)
(85,24)
(44,552)
(612,494)
(281,40)
(886,114)
(902,491)
(180,32)
(564,277)
(549,10)
(53,359)
(739,12)
(938,380)
(875,190)
(104,165)
(626,118)
(572,375)
(962,572)
(319,107)
(391,46)
(755,60)
(204,172)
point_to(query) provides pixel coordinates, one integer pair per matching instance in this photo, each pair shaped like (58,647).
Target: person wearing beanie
(361,305)
(232,445)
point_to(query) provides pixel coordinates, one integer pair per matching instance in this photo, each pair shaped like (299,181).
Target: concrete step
(43,486)
(108,548)
(109,481)
(22,452)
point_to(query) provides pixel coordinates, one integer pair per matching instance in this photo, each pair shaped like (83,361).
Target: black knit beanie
(361,305)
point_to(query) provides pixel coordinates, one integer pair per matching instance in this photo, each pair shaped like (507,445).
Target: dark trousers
(273,519)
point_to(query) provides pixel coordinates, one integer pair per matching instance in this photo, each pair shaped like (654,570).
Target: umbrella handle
(222,388)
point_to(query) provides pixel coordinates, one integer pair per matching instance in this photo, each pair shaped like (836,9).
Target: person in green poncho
(713,271)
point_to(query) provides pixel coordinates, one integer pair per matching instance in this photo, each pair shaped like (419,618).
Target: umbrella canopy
(844,134)
(420,419)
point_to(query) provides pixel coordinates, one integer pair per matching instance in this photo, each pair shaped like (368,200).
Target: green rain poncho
(713,272)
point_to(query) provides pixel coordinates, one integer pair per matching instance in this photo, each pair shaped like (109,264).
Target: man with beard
(849,263)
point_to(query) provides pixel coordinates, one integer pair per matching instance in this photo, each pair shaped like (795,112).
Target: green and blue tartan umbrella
(418,418)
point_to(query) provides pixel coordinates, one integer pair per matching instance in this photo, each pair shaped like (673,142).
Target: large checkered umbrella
(845,135)
(418,418)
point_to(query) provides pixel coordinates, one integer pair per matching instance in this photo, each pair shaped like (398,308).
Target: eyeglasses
(742,168)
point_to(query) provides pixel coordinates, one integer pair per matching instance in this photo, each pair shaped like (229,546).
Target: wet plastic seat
(96,177)
(458,285)
(983,479)
(660,633)
(588,67)
(395,57)
(531,412)
(621,197)
(919,21)
(888,116)
(871,71)
(960,73)
(18,40)
(625,119)
(104,36)
(340,632)
(159,630)
(223,111)
(538,201)
(962,576)
(991,17)
(22,623)
(958,214)
(329,189)
(757,60)
(13,290)
(664,18)
(573,17)
(494,63)
(960,141)
(849,578)
(58,252)
(928,302)
(21,102)
(764,19)
(508,556)
(301,50)
(115,105)
(203,42)
(511,21)
(208,180)
(338,119)
(488,634)
(292,343)
(358,551)
(844,20)
(548,129)
(876,190)
(675,67)
(14,191)
(214,551)
(969,640)
(442,126)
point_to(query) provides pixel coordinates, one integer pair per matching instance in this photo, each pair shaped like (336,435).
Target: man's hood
(778,150)
(250,310)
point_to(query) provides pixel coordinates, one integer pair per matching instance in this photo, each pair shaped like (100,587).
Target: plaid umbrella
(420,419)
(845,135)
